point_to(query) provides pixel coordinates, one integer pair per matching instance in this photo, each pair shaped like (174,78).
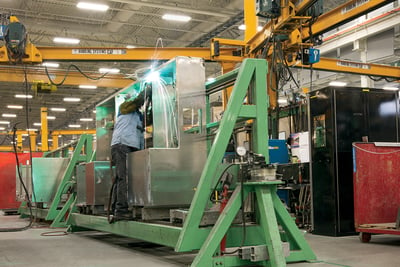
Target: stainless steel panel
(105,113)
(98,182)
(47,175)
(81,184)
(167,175)
(164,177)
(25,171)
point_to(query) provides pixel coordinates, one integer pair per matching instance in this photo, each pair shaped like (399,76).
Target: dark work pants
(120,193)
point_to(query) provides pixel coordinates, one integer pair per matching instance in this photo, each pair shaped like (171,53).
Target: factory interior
(267,131)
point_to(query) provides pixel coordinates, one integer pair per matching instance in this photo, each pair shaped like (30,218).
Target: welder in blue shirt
(127,137)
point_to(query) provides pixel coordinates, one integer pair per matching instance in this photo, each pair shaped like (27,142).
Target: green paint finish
(222,80)
(302,250)
(250,83)
(268,220)
(218,148)
(220,228)
(84,145)
(62,216)
(248,111)
(36,212)
(156,233)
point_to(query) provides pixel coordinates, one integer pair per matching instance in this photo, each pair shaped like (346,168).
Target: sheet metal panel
(98,182)
(167,174)
(376,183)
(8,178)
(164,177)
(47,175)
(81,184)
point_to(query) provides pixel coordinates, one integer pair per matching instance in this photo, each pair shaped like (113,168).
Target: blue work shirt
(128,130)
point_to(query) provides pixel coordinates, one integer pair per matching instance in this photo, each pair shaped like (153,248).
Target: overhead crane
(291,22)
(264,237)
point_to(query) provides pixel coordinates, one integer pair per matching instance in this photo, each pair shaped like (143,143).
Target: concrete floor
(94,249)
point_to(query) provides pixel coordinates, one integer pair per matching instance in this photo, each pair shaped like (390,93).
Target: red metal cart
(8,178)
(376,177)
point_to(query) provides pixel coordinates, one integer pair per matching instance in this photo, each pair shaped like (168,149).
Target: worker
(127,137)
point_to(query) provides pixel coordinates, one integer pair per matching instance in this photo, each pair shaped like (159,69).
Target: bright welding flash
(153,76)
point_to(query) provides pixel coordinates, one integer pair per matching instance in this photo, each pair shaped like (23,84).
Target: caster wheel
(365,237)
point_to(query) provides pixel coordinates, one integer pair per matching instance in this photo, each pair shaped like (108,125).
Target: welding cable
(67,73)
(325,262)
(109,219)
(219,179)
(29,203)
(26,85)
(54,233)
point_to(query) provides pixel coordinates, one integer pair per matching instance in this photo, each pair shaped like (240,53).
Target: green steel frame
(83,151)
(250,83)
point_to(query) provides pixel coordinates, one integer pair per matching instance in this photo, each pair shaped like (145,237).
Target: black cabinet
(339,117)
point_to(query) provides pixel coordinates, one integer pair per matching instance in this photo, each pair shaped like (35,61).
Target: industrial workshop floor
(94,249)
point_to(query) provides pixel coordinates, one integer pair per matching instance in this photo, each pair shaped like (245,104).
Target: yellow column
(227,67)
(55,141)
(45,131)
(250,19)
(19,141)
(32,136)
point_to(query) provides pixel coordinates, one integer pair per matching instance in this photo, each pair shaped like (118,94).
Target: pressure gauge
(241,150)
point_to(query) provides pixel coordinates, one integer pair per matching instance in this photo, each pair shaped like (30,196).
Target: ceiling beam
(221,13)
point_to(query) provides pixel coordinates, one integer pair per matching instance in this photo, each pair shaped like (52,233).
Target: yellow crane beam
(345,66)
(125,54)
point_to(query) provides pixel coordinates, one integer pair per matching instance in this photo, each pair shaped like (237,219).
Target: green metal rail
(57,210)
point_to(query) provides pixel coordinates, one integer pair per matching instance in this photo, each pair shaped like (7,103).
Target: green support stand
(57,211)
(249,101)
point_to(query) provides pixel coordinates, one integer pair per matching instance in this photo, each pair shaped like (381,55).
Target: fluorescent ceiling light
(50,140)
(71,99)
(7,115)
(107,70)
(181,18)
(336,83)
(50,64)
(4,122)
(15,106)
(58,109)
(86,119)
(23,96)
(82,86)
(390,88)
(25,134)
(2,128)
(92,6)
(37,124)
(51,117)
(130,46)
(94,111)
(242,27)
(74,126)
(31,130)
(65,40)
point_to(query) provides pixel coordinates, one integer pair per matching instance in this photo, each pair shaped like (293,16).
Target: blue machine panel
(278,152)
